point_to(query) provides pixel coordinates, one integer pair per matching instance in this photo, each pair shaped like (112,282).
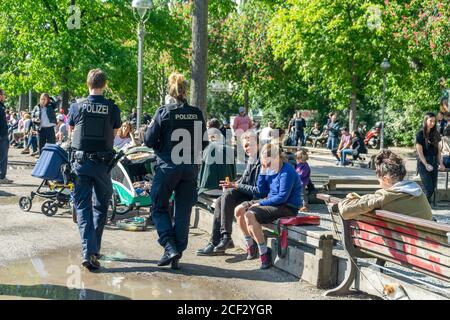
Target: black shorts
(268,214)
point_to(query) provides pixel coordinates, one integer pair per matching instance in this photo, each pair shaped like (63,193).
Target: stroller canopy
(52,158)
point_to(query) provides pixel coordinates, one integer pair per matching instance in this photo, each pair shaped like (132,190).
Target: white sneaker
(5,181)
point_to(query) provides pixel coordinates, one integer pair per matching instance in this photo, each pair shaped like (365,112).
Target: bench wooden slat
(396,256)
(402,227)
(427,244)
(412,221)
(406,248)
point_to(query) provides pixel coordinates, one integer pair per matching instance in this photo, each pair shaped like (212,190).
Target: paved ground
(41,255)
(39,258)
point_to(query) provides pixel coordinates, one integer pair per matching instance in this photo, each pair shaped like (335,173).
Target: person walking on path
(174,173)
(44,117)
(95,121)
(4,141)
(299,129)
(429,154)
(333,133)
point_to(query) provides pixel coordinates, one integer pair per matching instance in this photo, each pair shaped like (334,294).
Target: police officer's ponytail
(177,86)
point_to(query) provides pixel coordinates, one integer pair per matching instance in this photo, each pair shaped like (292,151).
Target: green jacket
(405,197)
(214,170)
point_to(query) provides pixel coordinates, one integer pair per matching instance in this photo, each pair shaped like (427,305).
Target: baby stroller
(131,179)
(49,168)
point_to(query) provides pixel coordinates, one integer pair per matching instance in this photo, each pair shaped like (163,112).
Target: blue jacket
(284,187)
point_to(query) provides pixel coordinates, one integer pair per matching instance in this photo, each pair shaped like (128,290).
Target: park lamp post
(141,7)
(385,65)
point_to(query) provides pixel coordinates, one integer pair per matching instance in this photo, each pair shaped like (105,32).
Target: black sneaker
(224,244)
(252,251)
(207,251)
(266,259)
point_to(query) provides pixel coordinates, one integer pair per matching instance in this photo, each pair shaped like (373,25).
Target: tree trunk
(353,101)
(23,102)
(352,114)
(246,100)
(200,55)
(65,91)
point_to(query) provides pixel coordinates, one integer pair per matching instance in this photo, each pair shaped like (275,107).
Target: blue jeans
(181,179)
(344,154)
(92,194)
(332,143)
(33,143)
(4,147)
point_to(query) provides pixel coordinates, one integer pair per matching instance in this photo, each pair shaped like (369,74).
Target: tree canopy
(276,55)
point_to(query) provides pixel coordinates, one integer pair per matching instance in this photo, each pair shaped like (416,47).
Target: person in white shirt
(267,133)
(62,132)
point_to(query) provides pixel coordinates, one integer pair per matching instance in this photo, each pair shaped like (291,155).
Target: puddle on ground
(61,277)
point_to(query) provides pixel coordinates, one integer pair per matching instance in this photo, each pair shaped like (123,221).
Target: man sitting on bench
(396,195)
(236,192)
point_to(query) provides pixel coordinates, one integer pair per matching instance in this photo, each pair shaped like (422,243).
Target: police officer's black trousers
(92,194)
(224,213)
(4,147)
(181,179)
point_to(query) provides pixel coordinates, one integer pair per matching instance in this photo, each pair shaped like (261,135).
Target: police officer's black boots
(169,253)
(175,264)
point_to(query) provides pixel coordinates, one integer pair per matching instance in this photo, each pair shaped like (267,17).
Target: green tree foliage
(333,45)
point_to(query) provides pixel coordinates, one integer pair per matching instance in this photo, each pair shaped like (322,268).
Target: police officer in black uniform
(176,133)
(95,122)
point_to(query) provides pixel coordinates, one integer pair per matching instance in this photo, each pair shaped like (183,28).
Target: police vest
(94,130)
(185,126)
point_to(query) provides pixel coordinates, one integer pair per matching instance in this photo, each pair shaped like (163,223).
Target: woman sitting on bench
(396,195)
(281,184)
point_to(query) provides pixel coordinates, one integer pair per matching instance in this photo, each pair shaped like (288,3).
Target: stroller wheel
(25,203)
(49,208)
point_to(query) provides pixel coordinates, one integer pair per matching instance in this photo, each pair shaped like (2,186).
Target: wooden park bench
(409,242)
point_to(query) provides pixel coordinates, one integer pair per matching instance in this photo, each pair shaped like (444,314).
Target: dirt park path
(40,258)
